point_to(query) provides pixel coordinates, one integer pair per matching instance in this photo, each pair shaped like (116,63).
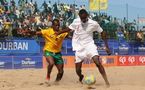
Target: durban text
(13,45)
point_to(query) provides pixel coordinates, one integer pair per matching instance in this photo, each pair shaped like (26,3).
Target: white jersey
(83,33)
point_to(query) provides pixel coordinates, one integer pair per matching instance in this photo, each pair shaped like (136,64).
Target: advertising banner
(69,62)
(6,62)
(141,60)
(109,60)
(141,50)
(87,63)
(101,48)
(123,50)
(19,46)
(127,60)
(27,62)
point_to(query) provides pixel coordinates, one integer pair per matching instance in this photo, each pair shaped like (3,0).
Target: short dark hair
(55,21)
(83,11)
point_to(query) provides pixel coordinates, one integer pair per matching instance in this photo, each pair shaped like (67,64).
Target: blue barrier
(19,46)
(27,62)
(6,62)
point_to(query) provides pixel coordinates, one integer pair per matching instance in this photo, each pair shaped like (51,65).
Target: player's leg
(78,67)
(79,56)
(50,61)
(60,72)
(60,65)
(101,68)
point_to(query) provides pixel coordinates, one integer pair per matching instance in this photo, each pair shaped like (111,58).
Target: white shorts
(86,53)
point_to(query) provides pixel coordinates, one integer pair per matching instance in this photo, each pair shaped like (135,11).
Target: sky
(116,8)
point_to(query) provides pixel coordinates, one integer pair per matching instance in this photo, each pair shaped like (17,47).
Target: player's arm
(67,29)
(69,35)
(37,32)
(32,33)
(104,37)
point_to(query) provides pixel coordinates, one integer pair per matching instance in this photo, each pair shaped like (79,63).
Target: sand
(121,78)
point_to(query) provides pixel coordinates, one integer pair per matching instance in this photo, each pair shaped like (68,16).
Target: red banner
(127,60)
(131,60)
(141,60)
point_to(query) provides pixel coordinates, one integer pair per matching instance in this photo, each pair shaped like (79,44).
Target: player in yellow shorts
(52,48)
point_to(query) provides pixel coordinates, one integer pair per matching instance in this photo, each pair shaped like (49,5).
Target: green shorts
(56,56)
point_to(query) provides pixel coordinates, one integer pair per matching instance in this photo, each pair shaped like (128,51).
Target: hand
(108,51)
(56,33)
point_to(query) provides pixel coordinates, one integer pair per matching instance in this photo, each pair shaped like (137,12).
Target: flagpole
(99,7)
(137,22)
(74,1)
(127,12)
(58,1)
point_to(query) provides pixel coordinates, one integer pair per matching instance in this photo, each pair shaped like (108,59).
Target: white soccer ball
(89,79)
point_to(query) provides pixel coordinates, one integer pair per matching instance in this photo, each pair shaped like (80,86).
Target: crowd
(15,19)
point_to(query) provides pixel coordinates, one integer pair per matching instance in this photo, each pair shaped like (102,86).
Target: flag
(141,20)
(98,4)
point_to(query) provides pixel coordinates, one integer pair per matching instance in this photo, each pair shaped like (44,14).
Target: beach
(120,78)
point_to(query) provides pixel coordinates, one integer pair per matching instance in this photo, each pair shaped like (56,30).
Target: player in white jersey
(83,43)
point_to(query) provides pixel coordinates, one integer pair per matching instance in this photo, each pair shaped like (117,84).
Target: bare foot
(81,78)
(47,83)
(107,85)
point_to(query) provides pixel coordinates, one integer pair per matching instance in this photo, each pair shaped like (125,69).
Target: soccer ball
(89,79)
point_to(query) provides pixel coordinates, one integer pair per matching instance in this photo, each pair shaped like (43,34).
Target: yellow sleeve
(45,31)
(65,34)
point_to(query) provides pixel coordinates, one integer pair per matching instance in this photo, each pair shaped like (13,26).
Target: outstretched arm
(67,29)
(36,32)
(104,37)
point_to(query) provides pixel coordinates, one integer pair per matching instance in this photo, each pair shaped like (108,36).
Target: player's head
(55,24)
(83,14)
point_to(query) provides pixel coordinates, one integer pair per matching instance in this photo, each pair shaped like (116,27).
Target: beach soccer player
(83,43)
(52,48)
